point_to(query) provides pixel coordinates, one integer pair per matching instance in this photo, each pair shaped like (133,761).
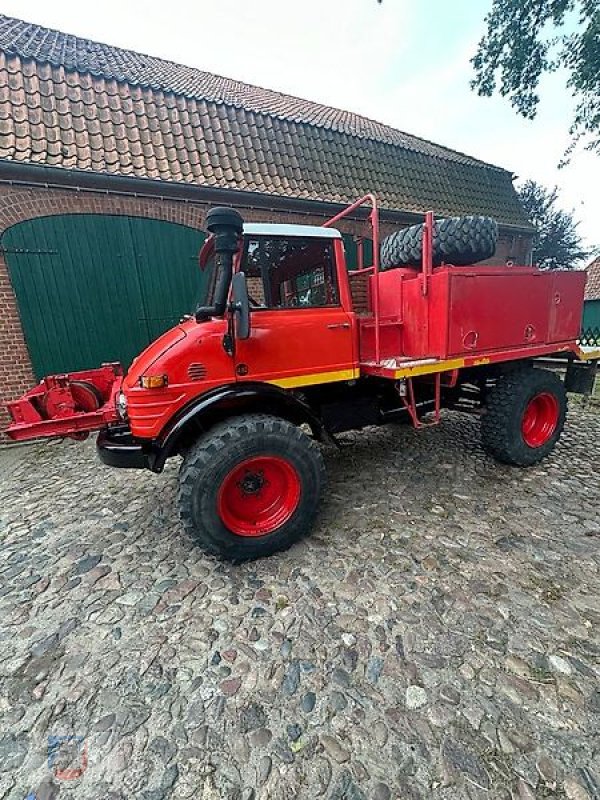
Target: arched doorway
(94,287)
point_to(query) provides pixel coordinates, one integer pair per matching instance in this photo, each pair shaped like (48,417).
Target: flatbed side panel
(566,304)
(472,310)
(490,312)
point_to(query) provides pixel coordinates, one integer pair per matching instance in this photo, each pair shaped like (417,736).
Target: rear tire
(250,487)
(524,416)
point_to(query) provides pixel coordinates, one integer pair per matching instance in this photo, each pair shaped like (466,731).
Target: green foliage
(557,244)
(526,38)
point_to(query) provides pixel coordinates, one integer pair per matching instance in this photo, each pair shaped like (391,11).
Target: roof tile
(592,287)
(128,111)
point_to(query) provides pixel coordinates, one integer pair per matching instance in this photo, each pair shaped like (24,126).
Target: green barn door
(351,248)
(94,288)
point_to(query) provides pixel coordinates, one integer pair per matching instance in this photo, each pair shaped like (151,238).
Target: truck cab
(301,328)
(302,323)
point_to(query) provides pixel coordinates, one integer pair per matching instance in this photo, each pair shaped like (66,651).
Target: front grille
(196,372)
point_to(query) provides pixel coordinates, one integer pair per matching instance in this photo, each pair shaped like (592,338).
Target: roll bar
(374,220)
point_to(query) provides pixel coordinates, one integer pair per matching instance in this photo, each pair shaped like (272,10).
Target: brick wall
(18,204)
(255,290)
(515,248)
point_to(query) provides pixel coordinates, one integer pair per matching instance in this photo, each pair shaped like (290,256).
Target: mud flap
(581,376)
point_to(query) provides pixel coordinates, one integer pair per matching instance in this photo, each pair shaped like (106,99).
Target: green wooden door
(591,314)
(351,249)
(590,327)
(94,288)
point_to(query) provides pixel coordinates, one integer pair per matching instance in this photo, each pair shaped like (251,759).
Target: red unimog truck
(290,349)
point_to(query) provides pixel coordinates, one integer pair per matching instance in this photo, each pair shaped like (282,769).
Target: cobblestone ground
(437,637)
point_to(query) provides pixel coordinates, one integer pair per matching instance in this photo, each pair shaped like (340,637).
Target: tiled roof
(592,287)
(70,102)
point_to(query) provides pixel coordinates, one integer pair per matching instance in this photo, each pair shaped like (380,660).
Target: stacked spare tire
(456,240)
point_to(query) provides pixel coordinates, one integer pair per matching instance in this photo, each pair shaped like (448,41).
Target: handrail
(427,253)
(374,220)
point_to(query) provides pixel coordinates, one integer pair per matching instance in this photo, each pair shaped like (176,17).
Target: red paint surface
(540,419)
(52,408)
(258,496)
(474,311)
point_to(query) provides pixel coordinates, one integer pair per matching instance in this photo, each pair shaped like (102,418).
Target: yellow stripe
(439,366)
(317,377)
(588,355)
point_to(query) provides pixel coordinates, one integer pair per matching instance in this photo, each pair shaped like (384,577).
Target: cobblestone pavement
(437,637)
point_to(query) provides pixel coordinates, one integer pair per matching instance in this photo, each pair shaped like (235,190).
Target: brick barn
(109,160)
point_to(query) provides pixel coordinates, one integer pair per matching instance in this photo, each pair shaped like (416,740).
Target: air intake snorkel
(226,225)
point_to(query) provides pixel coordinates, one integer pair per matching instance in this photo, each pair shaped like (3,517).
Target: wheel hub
(259,495)
(253,482)
(540,419)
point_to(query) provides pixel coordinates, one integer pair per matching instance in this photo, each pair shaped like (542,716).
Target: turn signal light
(153,381)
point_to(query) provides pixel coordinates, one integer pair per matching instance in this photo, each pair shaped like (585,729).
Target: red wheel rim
(258,496)
(540,419)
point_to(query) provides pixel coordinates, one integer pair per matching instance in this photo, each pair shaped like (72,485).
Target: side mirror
(241,306)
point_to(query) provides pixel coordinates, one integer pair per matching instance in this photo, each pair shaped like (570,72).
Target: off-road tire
(456,240)
(505,405)
(209,462)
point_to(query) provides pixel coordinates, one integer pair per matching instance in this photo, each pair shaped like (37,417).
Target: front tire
(524,416)
(250,487)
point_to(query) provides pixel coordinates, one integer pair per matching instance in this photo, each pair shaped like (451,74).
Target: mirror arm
(240,306)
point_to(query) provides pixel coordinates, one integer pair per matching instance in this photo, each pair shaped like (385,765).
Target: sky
(401,62)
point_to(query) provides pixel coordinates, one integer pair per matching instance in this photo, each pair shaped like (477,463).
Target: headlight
(122,406)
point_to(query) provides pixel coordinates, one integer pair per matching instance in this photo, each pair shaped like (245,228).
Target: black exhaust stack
(227,226)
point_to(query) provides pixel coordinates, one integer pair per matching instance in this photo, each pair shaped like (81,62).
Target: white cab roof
(264,229)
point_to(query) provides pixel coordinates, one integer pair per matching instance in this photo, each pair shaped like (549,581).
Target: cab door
(300,333)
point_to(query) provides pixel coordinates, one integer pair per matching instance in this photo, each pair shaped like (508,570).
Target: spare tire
(456,240)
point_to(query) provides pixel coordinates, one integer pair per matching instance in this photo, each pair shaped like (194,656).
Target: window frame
(334,271)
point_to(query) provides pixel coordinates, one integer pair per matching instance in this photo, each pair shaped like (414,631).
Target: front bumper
(117,448)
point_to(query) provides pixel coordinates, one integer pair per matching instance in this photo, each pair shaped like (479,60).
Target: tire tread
(498,420)
(201,456)
(456,240)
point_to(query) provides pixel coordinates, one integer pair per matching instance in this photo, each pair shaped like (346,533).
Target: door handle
(338,325)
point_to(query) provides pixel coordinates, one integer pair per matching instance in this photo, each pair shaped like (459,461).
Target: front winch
(72,404)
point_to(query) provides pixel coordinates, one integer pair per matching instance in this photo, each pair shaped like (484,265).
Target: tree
(557,244)
(526,38)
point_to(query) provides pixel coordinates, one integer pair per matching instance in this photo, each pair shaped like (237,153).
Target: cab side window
(293,272)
